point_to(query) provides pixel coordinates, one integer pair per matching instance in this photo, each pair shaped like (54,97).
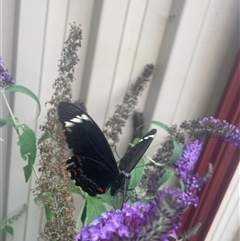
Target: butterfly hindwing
(94,178)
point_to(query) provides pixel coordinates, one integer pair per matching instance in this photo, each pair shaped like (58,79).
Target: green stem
(10,111)
(35,172)
(15,126)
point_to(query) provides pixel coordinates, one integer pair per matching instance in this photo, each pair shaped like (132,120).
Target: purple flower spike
(184,168)
(5,78)
(120,224)
(222,128)
(190,155)
(154,221)
(80,104)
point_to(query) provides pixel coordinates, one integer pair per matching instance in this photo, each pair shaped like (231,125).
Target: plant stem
(35,172)
(10,111)
(15,126)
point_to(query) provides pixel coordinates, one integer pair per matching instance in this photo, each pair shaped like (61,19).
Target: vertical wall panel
(80,11)
(192,71)
(220,24)
(30,29)
(54,36)
(7,21)
(228,214)
(127,51)
(111,24)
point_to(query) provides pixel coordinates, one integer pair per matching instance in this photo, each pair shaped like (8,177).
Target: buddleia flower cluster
(5,78)
(114,125)
(152,221)
(160,217)
(53,185)
(213,127)
(197,130)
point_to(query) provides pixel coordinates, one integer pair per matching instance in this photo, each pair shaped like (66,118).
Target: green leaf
(36,200)
(26,91)
(136,174)
(135,141)
(27,143)
(8,229)
(181,183)
(161,125)
(84,213)
(177,152)
(75,189)
(94,208)
(115,202)
(27,172)
(8,121)
(144,200)
(48,212)
(167,175)
(44,137)
(107,198)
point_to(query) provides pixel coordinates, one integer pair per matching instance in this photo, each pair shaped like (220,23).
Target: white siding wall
(193,45)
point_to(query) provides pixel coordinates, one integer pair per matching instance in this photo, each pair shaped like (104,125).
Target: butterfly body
(93,166)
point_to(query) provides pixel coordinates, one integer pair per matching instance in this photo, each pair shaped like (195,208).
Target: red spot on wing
(79,159)
(101,190)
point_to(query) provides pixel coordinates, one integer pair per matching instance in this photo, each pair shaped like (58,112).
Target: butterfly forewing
(84,136)
(132,157)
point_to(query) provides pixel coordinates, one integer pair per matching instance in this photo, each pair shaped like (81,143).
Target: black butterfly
(93,166)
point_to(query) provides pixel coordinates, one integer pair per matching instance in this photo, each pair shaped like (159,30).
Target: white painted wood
(192,44)
(7,18)
(111,25)
(192,75)
(226,226)
(80,11)
(30,31)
